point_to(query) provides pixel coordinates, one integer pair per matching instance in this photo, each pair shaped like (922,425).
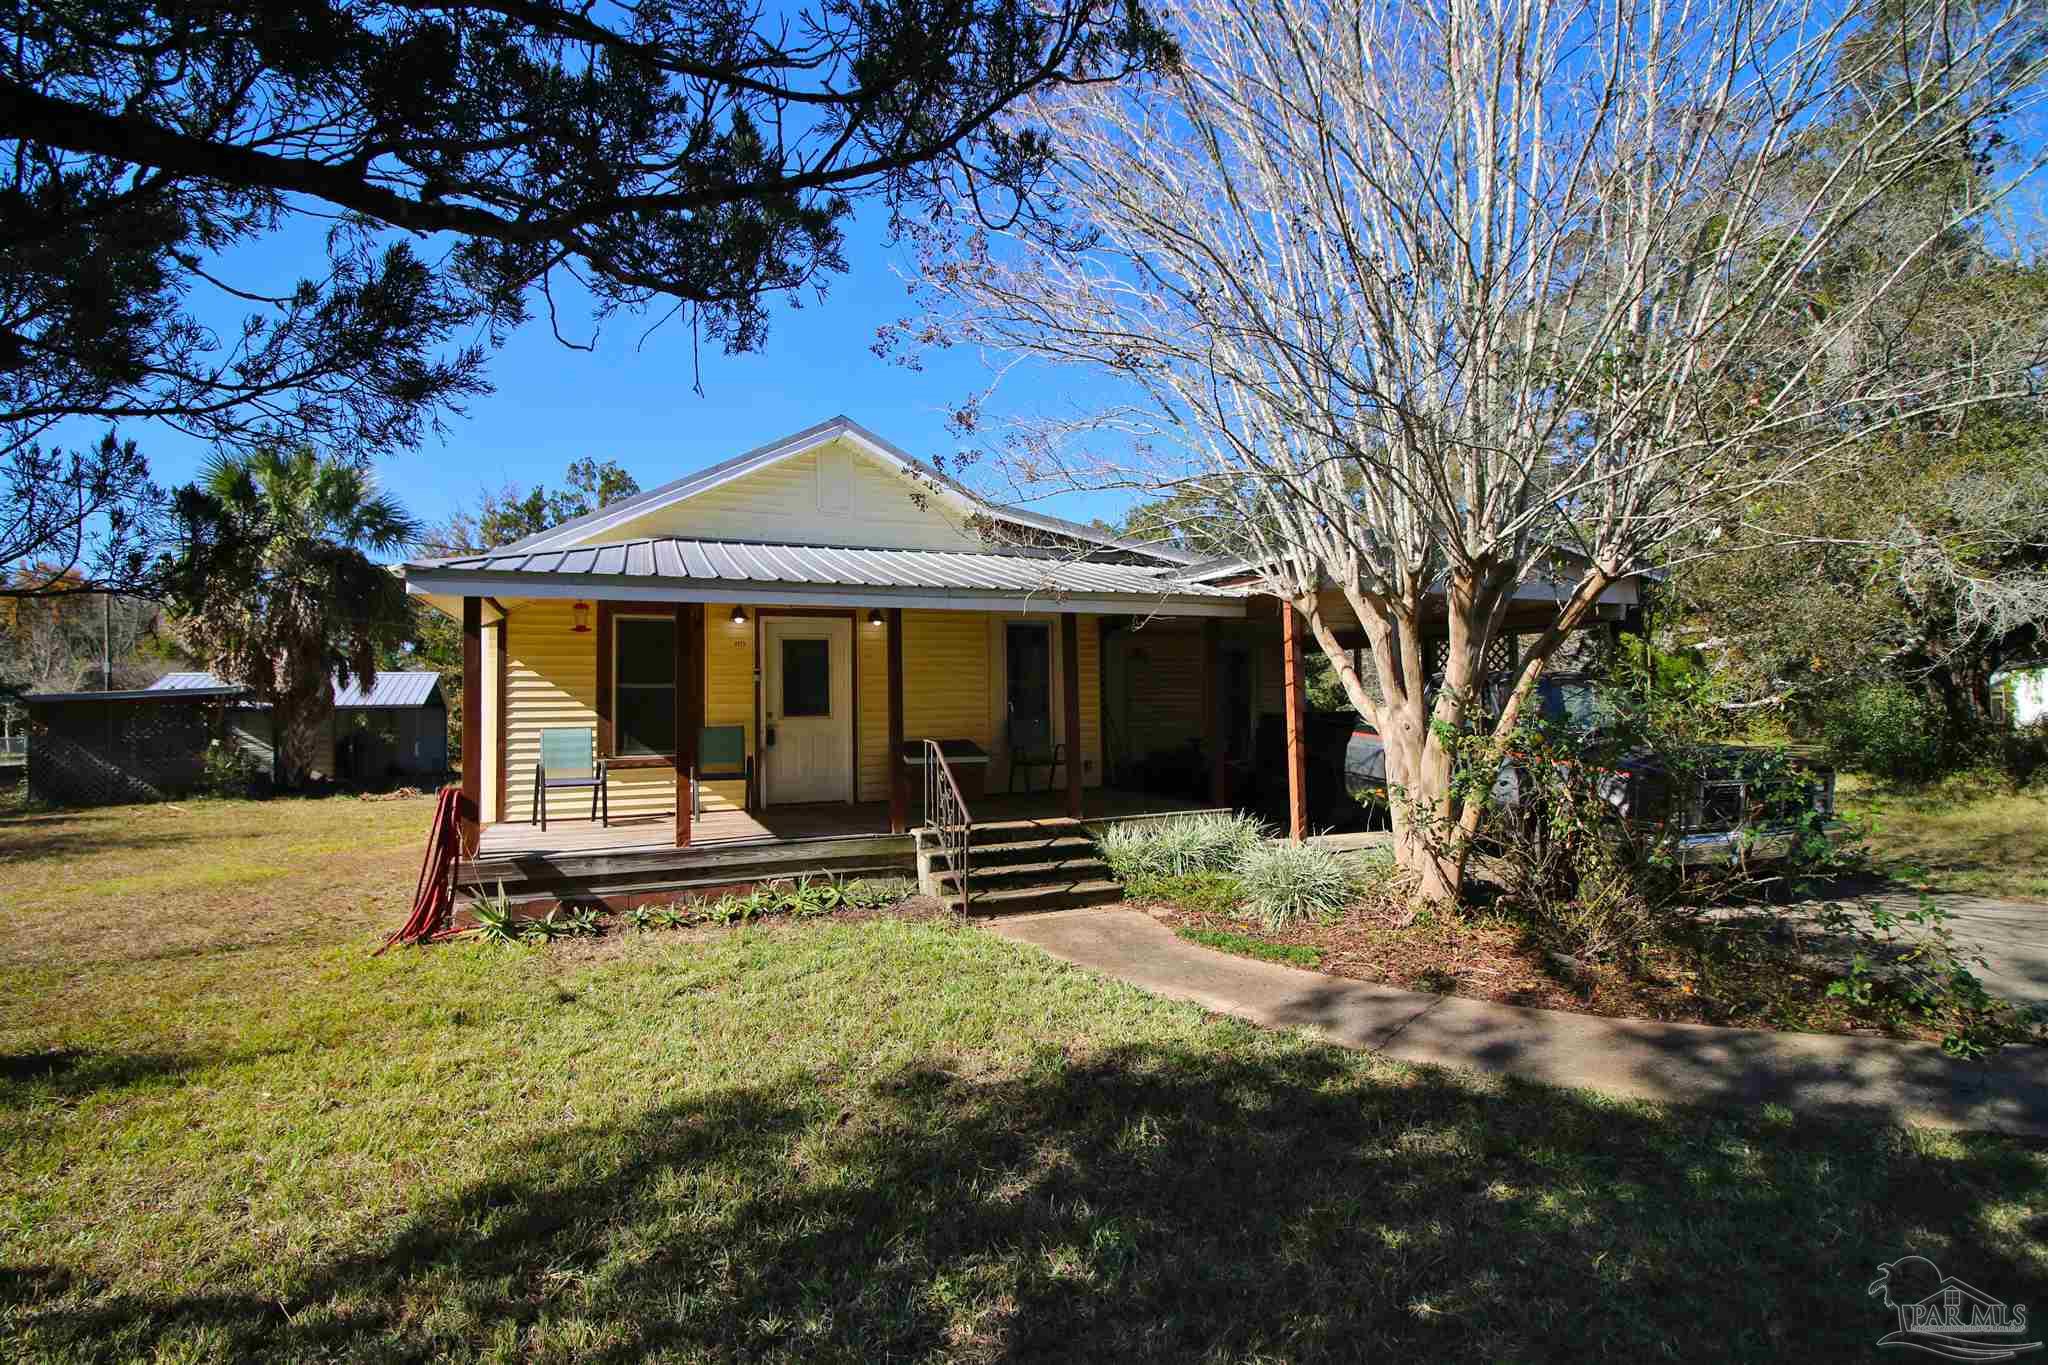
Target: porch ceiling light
(739,616)
(581,611)
(874,616)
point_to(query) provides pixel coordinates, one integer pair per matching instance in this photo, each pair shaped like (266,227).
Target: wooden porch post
(468,815)
(1212,713)
(689,702)
(1297,757)
(1070,683)
(899,776)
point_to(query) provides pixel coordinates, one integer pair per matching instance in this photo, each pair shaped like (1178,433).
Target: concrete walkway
(1832,1074)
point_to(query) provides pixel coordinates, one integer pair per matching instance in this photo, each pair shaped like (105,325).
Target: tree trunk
(1964,694)
(1433,828)
(300,714)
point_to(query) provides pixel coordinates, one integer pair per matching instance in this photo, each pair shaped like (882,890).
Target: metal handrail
(947,816)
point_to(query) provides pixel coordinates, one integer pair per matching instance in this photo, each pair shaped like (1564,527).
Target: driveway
(2011,937)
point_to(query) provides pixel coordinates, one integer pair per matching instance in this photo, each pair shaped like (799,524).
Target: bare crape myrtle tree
(1419,301)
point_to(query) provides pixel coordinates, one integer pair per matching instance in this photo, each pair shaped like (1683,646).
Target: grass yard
(1972,835)
(231,1134)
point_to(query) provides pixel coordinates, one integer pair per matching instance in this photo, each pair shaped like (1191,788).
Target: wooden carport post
(899,775)
(1070,685)
(1297,757)
(468,814)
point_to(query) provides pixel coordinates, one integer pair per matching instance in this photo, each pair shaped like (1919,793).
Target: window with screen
(643,686)
(806,678)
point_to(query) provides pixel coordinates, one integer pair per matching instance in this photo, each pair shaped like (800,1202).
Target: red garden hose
(434,897)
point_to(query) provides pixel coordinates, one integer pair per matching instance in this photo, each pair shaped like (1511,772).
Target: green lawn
(1970,834)
(229,1133)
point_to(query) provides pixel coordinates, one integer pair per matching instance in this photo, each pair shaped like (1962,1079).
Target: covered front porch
(718,695)
(725,829)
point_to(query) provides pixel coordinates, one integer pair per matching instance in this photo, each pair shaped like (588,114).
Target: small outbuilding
(396,727)
(99,748)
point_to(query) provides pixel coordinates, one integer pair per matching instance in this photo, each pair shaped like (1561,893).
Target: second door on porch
(807,706)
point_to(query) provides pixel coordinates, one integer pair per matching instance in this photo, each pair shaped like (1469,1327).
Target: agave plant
(495,920)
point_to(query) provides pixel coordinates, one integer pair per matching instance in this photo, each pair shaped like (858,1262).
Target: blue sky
(632,399)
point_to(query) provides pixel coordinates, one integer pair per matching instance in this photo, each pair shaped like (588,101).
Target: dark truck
(1741,804)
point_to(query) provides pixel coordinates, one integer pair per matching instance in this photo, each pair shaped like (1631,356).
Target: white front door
(807,707)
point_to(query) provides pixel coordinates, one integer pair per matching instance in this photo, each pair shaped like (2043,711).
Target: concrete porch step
(1059,849)
(1024,831)
(1017,900)
(1085,867)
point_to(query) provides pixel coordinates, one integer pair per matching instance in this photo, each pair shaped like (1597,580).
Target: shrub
(1180,847)
(229,770)
(1286,883)
(2023,753)
(1890,730)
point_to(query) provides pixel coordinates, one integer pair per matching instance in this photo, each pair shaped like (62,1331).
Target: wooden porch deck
(578,858)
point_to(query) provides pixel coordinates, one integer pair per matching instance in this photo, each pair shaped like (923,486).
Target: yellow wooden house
(868,656)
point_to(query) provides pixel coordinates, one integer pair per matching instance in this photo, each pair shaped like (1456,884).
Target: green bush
(230,770)
(1890,730)
(1286,883)
(1180,847)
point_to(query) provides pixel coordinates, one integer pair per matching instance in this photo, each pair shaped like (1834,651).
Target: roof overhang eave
(615,588)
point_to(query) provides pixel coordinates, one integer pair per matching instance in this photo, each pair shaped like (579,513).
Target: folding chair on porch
(1031,746)
(569,762)
(721,757)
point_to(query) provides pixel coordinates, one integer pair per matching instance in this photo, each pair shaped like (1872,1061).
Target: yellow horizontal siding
(728,691)
(1162,689)
(1090,671)
(491,760)
(871,644)
(551,680)
(844,499)
(945,676)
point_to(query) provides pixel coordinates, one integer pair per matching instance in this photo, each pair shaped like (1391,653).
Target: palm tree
(276,588)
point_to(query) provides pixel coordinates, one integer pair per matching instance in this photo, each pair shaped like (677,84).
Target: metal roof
(188,682)
(216,691)
(722,566)
(390,689)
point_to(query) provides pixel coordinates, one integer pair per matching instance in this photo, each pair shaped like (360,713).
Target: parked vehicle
(1742,803)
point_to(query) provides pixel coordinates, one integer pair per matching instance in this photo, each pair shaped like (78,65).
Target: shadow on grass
(23,845)
(71,1074)
(1150,1204)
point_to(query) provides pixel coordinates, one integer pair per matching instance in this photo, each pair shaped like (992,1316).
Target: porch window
(643,686)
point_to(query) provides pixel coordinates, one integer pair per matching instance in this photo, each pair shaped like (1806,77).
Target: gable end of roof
(810,438)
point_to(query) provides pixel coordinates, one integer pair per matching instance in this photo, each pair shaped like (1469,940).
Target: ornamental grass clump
(1284,884)
(1185,846)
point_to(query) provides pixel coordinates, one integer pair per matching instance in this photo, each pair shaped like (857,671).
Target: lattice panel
(1436,654)
(104,753)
